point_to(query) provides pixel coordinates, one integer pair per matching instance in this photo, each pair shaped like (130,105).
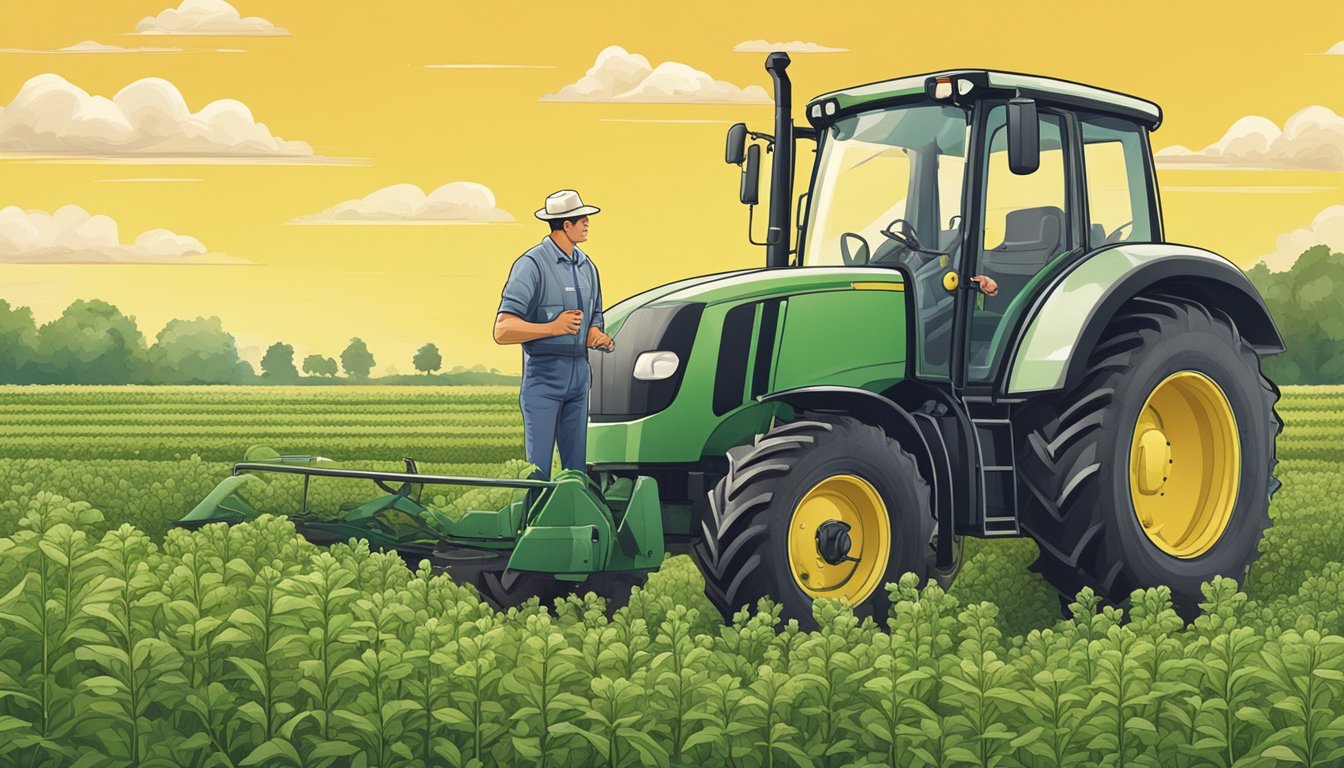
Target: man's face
(578,231)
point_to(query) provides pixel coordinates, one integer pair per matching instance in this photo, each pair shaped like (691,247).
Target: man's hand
(597,339)
(567,323)
(987,285)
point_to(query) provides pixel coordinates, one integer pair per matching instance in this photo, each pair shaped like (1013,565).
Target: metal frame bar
(396,477)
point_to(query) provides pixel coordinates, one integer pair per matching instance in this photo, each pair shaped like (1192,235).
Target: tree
(18,343)
(196,351)
(318,365)
(1304,302)
(427,359)
(92,342)
(357,360)
(278,363)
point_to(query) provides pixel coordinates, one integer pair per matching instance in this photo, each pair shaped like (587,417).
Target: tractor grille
(616,394)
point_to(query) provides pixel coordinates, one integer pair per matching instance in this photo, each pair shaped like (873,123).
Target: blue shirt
(545,282)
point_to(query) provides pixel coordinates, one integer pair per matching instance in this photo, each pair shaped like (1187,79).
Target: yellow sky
(352,81)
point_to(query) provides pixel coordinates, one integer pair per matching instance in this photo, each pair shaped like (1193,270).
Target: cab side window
(1026,226)
(1025,223)
(1117,186)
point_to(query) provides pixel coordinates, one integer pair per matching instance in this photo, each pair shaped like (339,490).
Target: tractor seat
(1032,236)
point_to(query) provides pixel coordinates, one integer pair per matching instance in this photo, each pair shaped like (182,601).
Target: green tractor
(849,413)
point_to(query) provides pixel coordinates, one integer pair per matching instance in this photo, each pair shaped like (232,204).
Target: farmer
(552,305)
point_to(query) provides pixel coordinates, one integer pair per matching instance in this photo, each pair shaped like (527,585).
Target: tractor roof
(1006,83)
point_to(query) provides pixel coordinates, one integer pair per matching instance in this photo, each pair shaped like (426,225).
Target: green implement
(570,531)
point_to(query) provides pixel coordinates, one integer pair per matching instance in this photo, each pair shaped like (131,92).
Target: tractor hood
(683,326)
(747,285)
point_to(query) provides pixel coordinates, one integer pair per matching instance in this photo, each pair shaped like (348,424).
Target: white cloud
(147,119)
(1336,50)
(619,75)
(456,201)
(1326,229)
(72,236)
(91,46)
(205,17)
(796,46)
(1312,139)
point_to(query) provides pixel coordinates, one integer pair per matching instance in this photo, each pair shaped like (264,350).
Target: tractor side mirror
(751,177)
(1024,137)
(737,141)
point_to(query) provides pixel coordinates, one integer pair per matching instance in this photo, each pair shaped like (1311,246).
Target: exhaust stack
(781,171)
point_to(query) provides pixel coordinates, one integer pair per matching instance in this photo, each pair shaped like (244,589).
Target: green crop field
(123,642)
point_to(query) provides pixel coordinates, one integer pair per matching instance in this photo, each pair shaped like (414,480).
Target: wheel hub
(1185,464)
(839,539)
(833,541)
(1154,454)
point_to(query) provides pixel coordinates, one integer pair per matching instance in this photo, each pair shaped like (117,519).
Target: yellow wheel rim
(1185,464)
(851,500)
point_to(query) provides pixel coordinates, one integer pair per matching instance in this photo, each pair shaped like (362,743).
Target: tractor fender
(871,408)
(1067,319)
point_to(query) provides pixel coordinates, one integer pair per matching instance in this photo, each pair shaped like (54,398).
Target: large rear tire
(772,528)
(1158,466)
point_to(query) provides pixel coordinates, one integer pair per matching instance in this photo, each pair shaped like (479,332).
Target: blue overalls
(554,397)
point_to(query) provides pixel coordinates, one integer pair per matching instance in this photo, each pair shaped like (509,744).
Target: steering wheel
(1114,236)
(905,235)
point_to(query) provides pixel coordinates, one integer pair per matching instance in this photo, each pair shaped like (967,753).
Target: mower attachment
(571,529)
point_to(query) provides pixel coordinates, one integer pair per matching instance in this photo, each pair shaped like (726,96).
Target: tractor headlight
(656,366)
(643,374)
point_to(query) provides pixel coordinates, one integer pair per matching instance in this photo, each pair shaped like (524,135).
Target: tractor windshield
(898,169)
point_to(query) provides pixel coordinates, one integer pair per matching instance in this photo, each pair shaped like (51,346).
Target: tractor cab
(953,175)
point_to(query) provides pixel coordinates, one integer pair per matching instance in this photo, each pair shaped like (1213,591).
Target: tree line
(93,342)
(1305,302)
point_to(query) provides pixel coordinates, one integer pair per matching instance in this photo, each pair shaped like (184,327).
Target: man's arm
(512,329)
(597,336)
(518,298)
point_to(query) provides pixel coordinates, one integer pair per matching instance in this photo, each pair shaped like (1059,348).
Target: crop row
(453,416)
(62,432)
(432,448)
(248,646)
(449,426)
(151,493)
(372,395)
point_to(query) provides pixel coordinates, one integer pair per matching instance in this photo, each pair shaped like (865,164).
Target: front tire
(784,494)
(1157,467)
